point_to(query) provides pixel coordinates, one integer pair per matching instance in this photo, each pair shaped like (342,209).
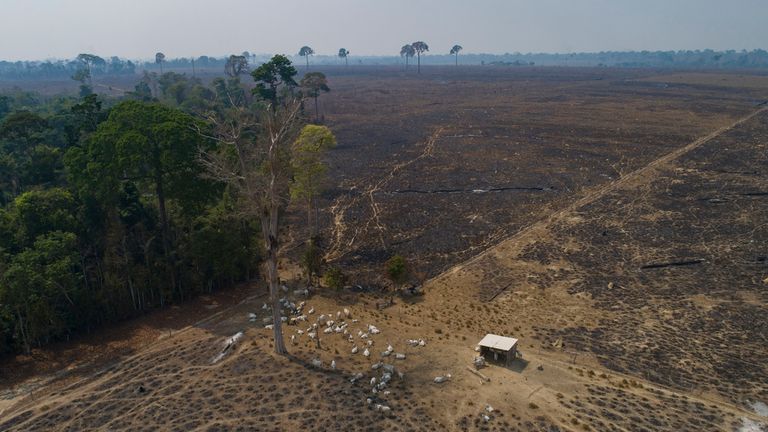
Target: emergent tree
(160,59)
(420,48)
(305,52)
(236,65)
(314,83)
(407,51)
(256,139)
(343,53)
(455,51)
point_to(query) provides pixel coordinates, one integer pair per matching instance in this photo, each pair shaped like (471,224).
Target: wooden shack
(498,349)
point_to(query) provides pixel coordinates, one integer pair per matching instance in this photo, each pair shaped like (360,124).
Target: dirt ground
(614,221)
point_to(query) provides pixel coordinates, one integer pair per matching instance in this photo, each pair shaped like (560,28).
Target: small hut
(499,349)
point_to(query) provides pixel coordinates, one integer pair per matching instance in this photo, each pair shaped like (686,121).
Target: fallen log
(483,377)
(672,264)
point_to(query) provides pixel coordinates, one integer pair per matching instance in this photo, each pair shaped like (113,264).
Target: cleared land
(622,220)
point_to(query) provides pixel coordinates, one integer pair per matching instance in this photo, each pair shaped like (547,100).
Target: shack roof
(502,343)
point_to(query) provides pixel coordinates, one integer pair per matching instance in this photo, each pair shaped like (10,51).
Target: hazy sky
(35,29)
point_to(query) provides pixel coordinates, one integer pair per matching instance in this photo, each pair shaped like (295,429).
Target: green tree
(310,172)
(455,51)
(397,270)
(40,288)
(41,211)
(314,83)
(420,48)
(312,259)
(160,59)
(305,52)
(152,146)
(344,53)
(272,77)
(142,92)
(6,104)
(334,278)
(83,76)
(86,116)
(407,52)
(229,92)
(21,132)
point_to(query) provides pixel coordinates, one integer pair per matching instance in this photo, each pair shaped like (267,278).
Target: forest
(113,207)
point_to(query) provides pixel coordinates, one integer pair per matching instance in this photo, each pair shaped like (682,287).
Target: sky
(136,29)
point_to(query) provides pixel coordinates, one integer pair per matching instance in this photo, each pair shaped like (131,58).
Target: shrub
(397,270)
(334,278)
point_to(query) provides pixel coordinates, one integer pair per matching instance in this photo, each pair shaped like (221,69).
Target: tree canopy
(344,53)
(305,52)
(273,77)
(85,237)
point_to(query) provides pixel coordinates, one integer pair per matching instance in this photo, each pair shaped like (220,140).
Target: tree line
(729,59)
(113,207)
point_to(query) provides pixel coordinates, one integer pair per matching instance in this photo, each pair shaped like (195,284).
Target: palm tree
(306,51)
(407,51)
(455,51)
(343,53)
(419,47)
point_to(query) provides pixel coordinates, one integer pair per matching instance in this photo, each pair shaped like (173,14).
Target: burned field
(615,222)
(678,266)
(442,166)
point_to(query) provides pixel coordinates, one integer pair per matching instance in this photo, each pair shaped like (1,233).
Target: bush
(312,259)
(397,269)
(334,278)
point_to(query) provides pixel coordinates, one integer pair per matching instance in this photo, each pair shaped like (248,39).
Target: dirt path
(641,175)
(339,208)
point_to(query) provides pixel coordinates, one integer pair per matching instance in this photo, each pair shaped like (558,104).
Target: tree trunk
(269,222)
(457,59)
(307,63)
(418,59)
(24,334)
(309,219)
(164,229)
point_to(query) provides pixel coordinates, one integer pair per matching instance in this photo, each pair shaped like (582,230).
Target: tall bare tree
(407,51)
(254,160)
(305,52)
(420,47)
(455,51)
